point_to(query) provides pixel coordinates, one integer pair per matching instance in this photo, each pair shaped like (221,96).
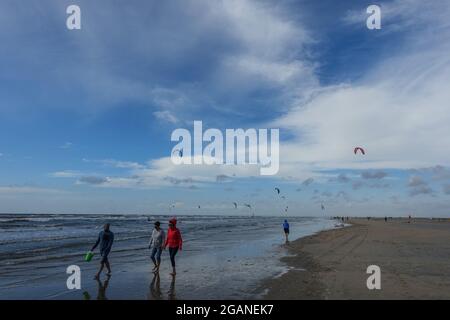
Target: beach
(414,259)
(223,257)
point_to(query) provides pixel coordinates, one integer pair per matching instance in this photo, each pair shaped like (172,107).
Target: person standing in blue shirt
(286,230)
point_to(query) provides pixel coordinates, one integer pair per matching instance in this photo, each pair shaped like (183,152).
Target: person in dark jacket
(105,239)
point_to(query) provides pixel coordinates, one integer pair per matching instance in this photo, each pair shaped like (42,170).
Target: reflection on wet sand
(155,288)
(171,293)
(101,293)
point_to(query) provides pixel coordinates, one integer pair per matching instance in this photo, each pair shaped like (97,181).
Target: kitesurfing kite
(322,206)
(247,205)
(178,152)
(360,149)
(277,190)
(235,205)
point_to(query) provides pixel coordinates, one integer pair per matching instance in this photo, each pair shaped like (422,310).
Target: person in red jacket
(174,242)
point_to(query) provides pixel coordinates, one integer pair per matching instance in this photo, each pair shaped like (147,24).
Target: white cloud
(398,112)
(166,116)
(65,174)
(236,47)
(162,172)
(66,145)
(11,190)
(115,163)
(399,15)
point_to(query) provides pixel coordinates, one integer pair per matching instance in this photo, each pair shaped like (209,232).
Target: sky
(86,115)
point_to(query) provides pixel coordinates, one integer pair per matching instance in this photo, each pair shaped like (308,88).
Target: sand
(414,259)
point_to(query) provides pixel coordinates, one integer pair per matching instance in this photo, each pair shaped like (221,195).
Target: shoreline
(332,264)
(211,266)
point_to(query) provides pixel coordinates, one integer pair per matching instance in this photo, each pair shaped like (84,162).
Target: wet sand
(414,259)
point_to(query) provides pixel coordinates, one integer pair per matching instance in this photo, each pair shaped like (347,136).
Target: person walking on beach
(156,244)
(174,242)
(105,239)
(286,230)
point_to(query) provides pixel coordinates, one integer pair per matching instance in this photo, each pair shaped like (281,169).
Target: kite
(235,205)
(360,149)
(277,190)
(178,152)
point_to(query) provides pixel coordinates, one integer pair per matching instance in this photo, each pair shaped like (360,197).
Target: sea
(223,257)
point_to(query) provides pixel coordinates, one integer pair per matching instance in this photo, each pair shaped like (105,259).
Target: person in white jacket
(156,244)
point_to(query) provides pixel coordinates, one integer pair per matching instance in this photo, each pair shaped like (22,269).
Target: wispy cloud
(66,174)
(66,145)
(11,190)
(446,188)
(166,116)
(307,182)
(415,181)
(423,189)
(116,163)
(94,180)
(373,174)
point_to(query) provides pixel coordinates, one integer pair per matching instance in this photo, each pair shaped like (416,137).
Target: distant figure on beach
(286,230)
(385,219)
(105,239)
(156,244)
(174,242)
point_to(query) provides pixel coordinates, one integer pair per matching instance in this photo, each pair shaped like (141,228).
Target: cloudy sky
(86,115)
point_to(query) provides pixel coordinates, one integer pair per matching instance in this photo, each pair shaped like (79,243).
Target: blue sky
(86,115)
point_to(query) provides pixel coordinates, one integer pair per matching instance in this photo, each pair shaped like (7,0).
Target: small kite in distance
(235,205)
(247,205)
(355,151)
(277,190)
(178,152)
(322,206)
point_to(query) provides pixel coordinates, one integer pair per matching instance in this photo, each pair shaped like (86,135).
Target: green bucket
(88,256)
